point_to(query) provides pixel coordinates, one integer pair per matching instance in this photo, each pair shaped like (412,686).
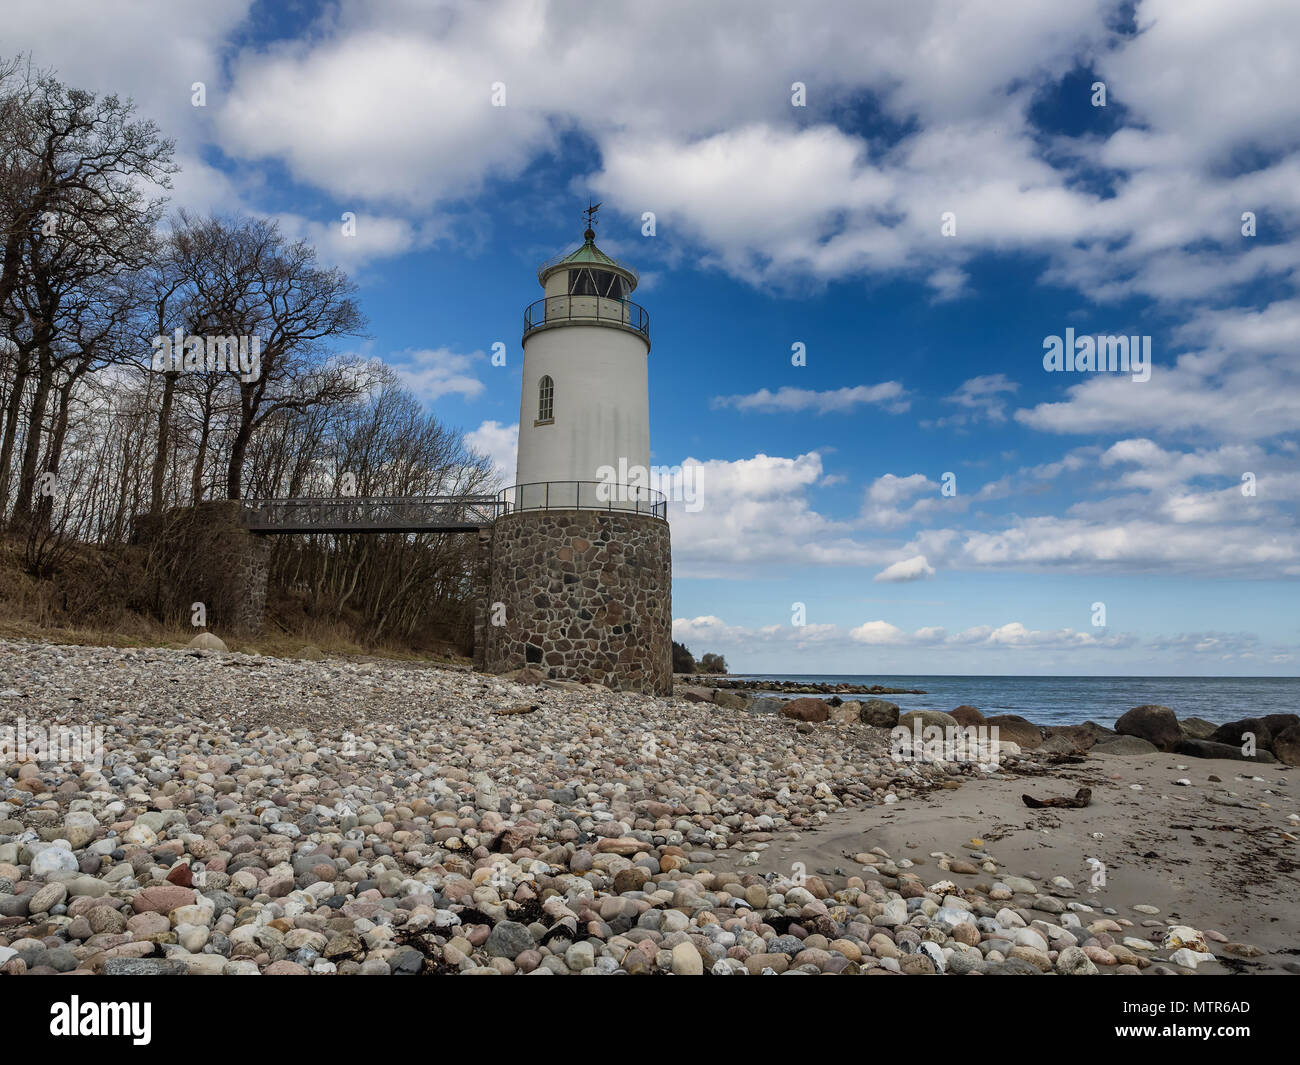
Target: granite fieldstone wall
(210,557)
(580,595)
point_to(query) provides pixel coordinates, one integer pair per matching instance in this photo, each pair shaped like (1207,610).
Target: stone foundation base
(581,595)
(209,557)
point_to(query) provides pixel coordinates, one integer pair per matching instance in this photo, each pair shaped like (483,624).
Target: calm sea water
(1071,700)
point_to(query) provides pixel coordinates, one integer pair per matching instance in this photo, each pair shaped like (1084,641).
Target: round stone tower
(576,573)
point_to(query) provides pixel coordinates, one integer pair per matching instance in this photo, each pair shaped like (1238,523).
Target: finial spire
(590,233)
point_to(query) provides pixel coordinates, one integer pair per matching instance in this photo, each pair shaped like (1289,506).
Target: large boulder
(1286,745)
(1015,728)
(206,641)
(926,719)
(1197,728)
(1074,739)
(1155,724)
(1280,722)
(806,710)
(879,713)
(766,705)
(1210,749)
(1125,745)
(846,713)
(966,715)
(1234,733)
(730,700)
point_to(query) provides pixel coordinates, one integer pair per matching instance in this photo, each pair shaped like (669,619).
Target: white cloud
(889,394)
(881,505)
(388,110)
(881,632)
(756,512)
(709,632)
(1010,636)
(1242,384)
(435,372)
(907,569)
(498,442)
(981,397)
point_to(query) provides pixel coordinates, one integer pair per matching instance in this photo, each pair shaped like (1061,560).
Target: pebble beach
(255,815)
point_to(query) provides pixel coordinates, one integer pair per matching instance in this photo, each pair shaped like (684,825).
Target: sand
(1210,866)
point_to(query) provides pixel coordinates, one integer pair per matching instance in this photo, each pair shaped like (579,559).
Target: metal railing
(556,310)
(345,514)
(584,495)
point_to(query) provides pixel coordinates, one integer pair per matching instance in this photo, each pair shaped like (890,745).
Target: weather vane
(592,208)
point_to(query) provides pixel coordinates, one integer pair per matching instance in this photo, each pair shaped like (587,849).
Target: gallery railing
(560,310)
(344,514)
(584,495)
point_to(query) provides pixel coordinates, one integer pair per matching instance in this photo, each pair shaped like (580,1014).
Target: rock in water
(966,715)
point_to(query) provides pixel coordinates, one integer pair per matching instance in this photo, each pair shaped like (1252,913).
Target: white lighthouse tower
(574,576)
(586,404)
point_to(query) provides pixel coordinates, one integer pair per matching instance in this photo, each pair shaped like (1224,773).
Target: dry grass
(73,609)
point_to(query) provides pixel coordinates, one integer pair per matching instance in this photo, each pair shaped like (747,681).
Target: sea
(1072,700)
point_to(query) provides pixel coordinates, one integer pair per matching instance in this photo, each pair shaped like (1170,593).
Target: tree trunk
(160,455)
(32,445)
(22,372)
(238,452)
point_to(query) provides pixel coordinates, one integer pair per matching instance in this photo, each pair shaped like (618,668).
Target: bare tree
(75,212)
(249,281)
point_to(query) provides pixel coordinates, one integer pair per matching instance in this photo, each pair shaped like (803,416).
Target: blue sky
(822,224)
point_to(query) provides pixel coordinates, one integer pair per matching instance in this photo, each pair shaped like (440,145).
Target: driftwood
(1081,798)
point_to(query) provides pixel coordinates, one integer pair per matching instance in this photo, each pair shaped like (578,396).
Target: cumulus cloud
(756,512)
(1013,634)
(389,109)
(885,503)
(882,646)
(498,442)
(1241,382)
(435,372)
(907,569)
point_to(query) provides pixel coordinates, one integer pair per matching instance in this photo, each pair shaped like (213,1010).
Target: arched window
(546,399)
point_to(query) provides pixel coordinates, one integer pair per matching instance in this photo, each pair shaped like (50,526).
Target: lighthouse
(585,407)
(574,577)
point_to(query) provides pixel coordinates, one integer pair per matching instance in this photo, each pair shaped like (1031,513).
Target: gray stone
(509,939)
(879,713)
(144,967)
(1156,724)
(1124,745)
